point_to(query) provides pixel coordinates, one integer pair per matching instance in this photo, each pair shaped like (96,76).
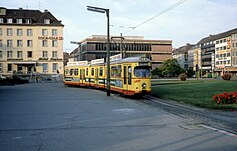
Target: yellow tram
(129,76)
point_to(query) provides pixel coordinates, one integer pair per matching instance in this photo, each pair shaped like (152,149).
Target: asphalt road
(52,117)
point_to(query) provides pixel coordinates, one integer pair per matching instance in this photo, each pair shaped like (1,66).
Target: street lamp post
(103,10)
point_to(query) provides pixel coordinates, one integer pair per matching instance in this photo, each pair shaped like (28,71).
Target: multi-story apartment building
(223,52)
(195,56)
(181,54)
(30,41)
(94,47)
(234,51)
(207,46)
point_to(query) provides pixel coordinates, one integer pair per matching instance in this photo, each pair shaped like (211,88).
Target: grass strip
(196,92)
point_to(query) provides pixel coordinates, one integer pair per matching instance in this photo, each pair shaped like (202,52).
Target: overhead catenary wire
(160,13)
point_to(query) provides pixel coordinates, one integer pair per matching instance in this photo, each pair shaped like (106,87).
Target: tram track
(205,117)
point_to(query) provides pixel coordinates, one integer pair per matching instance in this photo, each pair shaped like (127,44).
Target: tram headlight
(143,85)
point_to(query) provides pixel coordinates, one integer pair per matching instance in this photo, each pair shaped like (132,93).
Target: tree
(169,68)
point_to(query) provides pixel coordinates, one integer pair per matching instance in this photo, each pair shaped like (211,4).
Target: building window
(228,54)
(0,43)
(19,21)
(0,54)
(9,32)
(45,67)
(54,54)
(29,54)
(29,32)
(55,67)
(29,43)
(0,31)
(9,54)
(9,43)
(54,32)
(44,43)
(54,43)
(45,54)
(9,67)
(1,20)
(10,20)
(19,43)
(46,21)
(0,67)
(44,32)
(19,32)
(19,54)
(28,21)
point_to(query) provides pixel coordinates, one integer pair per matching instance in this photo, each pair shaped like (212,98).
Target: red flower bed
(225,98)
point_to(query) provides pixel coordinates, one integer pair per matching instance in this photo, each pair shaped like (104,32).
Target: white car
(2,77)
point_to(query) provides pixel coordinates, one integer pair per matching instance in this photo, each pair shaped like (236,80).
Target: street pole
(103,10)
(121,45)
(108,55)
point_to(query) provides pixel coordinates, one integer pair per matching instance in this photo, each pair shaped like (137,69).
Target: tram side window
(92,72)
(101,71)
(66,72)
(116,71)
(71,71)
(142,71)
(76,72)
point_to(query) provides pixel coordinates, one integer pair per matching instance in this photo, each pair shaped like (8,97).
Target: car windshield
(142,71)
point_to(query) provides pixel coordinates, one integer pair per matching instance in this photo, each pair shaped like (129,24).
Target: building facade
(30,41)
(234,51)
(215,53)
(94,47)
(181,54)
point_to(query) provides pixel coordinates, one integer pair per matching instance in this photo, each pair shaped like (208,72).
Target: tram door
(81,76)
(127,77)
(96,77)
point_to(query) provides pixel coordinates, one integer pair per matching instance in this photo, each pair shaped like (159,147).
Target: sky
(189,22)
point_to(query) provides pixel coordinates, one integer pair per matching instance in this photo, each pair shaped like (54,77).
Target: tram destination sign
(143,63)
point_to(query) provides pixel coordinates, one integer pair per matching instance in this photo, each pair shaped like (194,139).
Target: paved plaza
(53,117)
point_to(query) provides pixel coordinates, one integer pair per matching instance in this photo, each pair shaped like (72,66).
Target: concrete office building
(94,47)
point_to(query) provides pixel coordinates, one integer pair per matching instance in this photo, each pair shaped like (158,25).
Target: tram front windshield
(142,71)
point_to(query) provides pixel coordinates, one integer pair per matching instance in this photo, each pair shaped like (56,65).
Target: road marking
(218,130)
(17,137)
(125,110)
